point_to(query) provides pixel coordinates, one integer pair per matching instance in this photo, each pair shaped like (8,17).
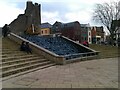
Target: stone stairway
(15,62)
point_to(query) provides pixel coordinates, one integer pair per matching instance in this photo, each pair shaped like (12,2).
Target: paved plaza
(101,73)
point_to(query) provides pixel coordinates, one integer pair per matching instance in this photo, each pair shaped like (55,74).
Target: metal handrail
(81,54)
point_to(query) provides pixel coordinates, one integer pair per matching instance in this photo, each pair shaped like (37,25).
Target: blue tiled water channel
(59,46)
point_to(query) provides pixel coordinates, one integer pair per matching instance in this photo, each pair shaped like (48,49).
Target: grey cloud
(54,6)
(60,7)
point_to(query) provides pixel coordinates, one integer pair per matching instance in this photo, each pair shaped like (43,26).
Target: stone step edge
(13,54)
(37,60)
(11,60)
(31,70)
(12,51)
(25,67)
(5,52)
(24,56)
(20,60)
(9,49)
(41,60)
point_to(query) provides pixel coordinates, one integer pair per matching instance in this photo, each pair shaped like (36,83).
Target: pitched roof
(84,25)
(66,25)
(70,24)
(46,25)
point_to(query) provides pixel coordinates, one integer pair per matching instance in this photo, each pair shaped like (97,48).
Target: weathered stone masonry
(29,21)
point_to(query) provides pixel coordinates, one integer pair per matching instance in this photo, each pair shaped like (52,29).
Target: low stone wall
(80,45)
(82,59)
(39,50)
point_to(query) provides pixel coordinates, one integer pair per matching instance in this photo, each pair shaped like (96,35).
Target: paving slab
(100,73)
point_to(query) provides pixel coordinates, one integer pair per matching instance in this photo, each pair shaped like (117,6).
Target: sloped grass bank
(106,51)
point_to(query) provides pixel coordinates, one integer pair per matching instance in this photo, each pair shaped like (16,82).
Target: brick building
(45,28)
(79,32)
(97,34)
(56,27)
(85,33)
(70,30)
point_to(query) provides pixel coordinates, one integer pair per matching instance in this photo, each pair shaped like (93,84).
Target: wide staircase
(15,62)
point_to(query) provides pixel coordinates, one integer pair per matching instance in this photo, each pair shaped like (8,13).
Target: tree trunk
(112,42)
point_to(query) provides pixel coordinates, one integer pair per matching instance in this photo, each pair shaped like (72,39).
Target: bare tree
(105,13)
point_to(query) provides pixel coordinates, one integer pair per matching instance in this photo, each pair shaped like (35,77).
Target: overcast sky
(52,10)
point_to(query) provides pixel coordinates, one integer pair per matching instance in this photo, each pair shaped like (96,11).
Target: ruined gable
(31,17)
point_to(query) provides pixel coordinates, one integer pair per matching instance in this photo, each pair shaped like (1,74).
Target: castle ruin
(29,22)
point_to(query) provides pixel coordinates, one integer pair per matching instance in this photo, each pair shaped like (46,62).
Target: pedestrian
(23,46)
(5,30)
(28,49)
(87,44)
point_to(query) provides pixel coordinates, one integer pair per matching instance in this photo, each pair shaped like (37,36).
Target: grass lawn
(106,51)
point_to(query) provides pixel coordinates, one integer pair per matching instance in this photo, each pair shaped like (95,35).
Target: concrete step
(4,59)
(9,49)
(13,54)
(5,68)
(16,55)
(19,61)
(28,71)
(9,52)
(22,69)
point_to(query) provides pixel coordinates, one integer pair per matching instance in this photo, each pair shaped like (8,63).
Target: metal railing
(80,55)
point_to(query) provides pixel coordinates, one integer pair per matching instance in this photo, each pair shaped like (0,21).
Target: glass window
(42,32)
(89,39)
(89,33)
(82,38)
(45,31)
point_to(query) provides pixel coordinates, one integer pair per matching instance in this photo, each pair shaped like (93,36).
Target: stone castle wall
(32,16)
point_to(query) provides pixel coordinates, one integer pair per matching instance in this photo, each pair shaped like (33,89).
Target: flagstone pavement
(100,73)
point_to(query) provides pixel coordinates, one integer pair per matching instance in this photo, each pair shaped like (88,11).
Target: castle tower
(33,15)
(28,13)
(29,21)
